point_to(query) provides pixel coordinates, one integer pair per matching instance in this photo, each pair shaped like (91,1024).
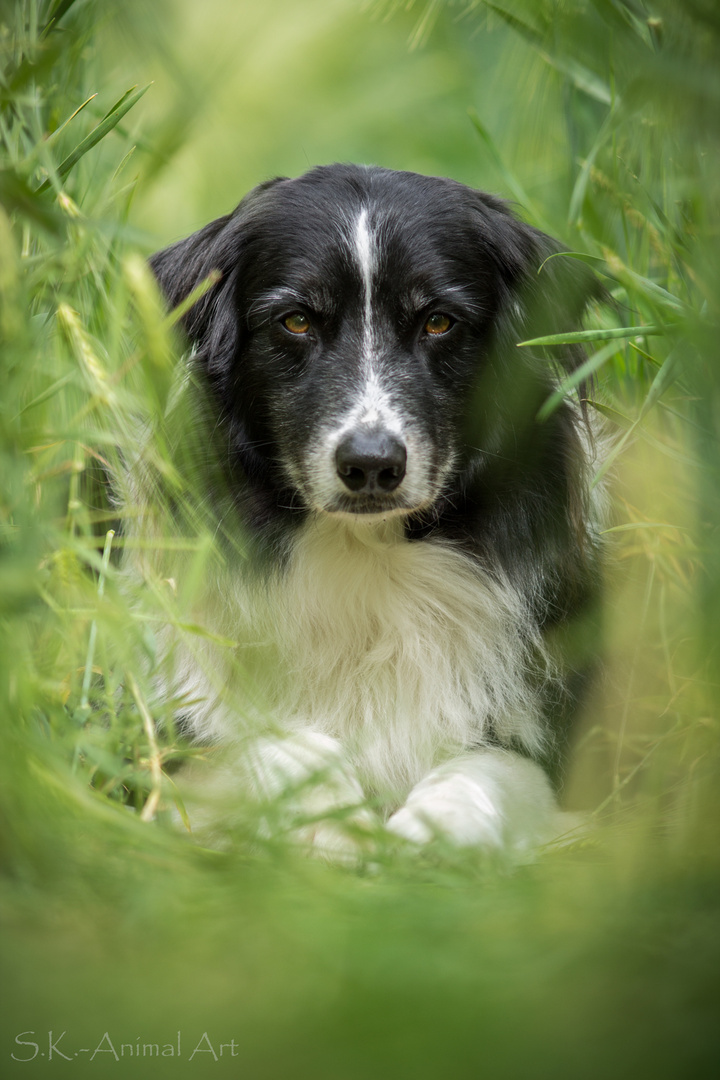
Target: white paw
(346,839)
(491,799)
(453,807)
(299,787)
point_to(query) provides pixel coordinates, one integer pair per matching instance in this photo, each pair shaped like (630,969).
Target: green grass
(601,959)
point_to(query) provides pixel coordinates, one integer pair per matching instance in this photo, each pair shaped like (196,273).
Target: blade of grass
(510,179)
(580,75)
(589,367)
(17,197)
(645,354)
(626,423)
(577,337)
(153,801)
(106,125)
(580,188)
(46,394)
(629,526)
(612,267)
(664,379)
(87,678)
(617,417)
(198,292)
(54,134)
(631,678)
(55,15)
(623,17)
(654,293)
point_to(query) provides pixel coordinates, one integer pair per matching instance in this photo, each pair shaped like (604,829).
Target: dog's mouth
(368,505)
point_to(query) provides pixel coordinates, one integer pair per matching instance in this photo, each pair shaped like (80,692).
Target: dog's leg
(491,799)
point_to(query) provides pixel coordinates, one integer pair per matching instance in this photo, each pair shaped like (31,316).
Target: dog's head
(361,340)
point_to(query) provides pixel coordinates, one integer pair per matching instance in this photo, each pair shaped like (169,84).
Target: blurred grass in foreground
(601,959)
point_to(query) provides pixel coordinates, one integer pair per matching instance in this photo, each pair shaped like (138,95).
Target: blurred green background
(242,93)
(601,119)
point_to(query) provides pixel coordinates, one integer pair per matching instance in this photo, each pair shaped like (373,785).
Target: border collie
(415,542)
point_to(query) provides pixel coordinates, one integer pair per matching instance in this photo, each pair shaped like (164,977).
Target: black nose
(370,461)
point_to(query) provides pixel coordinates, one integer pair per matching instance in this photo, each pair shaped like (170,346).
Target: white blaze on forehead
(365,250)
(374,406)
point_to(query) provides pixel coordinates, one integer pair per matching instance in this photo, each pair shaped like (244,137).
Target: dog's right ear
(181,267)
(212,323)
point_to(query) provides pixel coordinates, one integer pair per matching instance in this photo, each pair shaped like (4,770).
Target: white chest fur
(407,652)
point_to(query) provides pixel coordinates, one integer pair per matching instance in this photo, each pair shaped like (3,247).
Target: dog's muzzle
(370,462)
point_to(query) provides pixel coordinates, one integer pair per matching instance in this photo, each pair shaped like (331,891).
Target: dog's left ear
(542,292)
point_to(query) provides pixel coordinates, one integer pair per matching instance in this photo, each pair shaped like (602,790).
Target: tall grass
(601,958)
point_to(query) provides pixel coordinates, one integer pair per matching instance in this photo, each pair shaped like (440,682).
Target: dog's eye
(296,323)
(438,323)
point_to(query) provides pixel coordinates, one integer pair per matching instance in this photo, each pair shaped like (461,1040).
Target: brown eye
(296,323)
(438,323)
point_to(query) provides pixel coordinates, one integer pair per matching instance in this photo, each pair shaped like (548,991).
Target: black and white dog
(419,542)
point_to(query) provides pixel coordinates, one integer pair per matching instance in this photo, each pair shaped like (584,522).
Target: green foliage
(601,117)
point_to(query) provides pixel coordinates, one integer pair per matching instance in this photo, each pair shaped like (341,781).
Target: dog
(416,544)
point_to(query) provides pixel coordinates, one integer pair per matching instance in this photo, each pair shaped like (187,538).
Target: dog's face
(364,318)
(357,312)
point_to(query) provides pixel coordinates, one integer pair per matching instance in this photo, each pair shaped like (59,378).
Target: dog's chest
(363,598)
(404,650)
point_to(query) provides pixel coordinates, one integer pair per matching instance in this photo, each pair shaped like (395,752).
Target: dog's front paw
(346,839)
(300,788)
(453,807)
(493,800)
(313,796)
